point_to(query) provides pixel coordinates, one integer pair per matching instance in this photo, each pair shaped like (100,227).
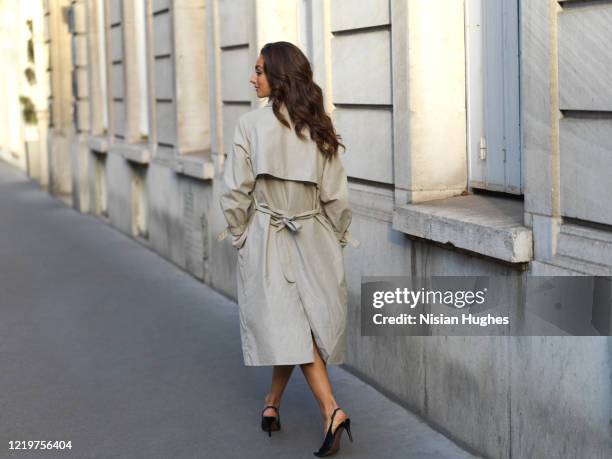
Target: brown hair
(290,78)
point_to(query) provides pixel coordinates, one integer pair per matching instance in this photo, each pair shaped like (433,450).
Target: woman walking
(286,206)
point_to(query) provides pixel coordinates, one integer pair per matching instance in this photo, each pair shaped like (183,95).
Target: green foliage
(29,23)
(28,110)
(30,50)
(30,75)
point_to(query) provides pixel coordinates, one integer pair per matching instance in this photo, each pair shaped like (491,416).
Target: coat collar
(282,108)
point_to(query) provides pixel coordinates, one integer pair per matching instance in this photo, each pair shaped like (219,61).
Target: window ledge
(197,166)
(584,249)
(561,265)
(135,153)
(98,144)
(490,226)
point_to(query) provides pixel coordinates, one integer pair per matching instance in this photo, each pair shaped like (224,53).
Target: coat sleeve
(239,182)
(334,197)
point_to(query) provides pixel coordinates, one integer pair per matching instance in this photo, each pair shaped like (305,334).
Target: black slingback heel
(270,423)
(331,444)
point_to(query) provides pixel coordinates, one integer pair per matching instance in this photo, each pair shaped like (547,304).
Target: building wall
(61,122)
(397,67)
(23,143)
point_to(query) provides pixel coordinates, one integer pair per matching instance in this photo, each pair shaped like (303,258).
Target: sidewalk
(106,344)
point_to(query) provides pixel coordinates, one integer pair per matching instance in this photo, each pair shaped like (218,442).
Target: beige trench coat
(287,210)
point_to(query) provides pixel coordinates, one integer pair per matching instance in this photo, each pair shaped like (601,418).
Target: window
(102,67)
(141,67)
(492,58)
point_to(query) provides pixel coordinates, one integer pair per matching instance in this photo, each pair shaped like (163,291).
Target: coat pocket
(242,266)
(329,227)
(244,250)
(240,241)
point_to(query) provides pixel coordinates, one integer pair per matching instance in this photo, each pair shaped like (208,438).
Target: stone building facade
(488,151)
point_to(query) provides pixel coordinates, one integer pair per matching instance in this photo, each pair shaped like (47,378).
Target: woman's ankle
(272,400)
(328,409)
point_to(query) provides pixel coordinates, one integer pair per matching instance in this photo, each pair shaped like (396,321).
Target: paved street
(108,345)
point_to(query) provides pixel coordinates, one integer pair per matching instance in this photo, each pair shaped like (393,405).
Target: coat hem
(264,364)
(249,361)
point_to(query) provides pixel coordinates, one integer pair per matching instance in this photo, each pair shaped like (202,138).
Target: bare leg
(280,378)
(318,380)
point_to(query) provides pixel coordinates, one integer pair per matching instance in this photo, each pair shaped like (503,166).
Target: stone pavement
(108,345)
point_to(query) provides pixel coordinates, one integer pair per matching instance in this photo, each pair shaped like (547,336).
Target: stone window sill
(196,165)
(136,153)
(583,250)
(98,144)
(491,226)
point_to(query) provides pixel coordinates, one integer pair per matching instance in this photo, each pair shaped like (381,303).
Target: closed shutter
(492,55)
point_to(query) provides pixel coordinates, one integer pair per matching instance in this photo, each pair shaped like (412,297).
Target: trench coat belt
(282,220)
(279,219)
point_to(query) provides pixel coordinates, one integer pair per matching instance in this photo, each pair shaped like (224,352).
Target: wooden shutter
(492,54)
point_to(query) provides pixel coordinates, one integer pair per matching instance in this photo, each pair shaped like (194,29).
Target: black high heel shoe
(270,423)
(331,444)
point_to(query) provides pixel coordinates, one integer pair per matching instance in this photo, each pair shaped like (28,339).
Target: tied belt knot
(282,220)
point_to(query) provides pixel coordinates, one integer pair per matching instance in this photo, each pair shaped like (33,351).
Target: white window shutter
(492,55)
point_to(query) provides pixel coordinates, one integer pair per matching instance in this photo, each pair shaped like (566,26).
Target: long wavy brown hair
(289,75)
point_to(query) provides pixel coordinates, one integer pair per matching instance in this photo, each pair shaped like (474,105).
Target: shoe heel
(347,426)
(268,425)
(331,443)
